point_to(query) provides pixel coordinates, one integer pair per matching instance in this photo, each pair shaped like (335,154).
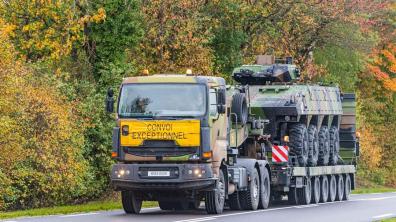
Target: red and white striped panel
(280,154)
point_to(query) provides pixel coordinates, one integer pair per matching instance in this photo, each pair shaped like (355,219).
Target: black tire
(233,201)
(265,191)
(340,188)
(292,197)
(315,196)
(332,188)
(324,146)
(324,188)
(304,193)
(239,107)
(251,197)
(299,142)
(313,146)
(347,187)
(334,145)
(214,200)
(130,202)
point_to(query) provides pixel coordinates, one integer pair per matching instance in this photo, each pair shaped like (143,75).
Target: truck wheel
(324,146)
(334,145)
(214,200)
(347,191)
(324,188)
(234,201)
(332,188)
(239,107)
(304,193)
(299,142)
(340,187)
(250,198)
(315,196)
(292,197)
(313,144)
(130,202)
(265,191)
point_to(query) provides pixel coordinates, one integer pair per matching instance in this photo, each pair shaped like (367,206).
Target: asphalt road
(362,207)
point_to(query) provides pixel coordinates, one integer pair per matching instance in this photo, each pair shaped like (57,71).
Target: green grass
(379,189)
(80,208)
(389,220)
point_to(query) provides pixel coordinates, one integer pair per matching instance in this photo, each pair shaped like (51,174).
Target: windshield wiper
(135,115)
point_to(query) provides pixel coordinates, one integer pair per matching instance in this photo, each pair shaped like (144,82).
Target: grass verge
(80,208)
(379,189)
(389,220)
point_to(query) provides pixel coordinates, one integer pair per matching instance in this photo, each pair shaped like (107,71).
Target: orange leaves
(384,66)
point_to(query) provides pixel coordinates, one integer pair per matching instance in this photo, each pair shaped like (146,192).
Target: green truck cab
(172,144)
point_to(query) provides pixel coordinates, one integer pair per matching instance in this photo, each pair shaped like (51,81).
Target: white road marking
(234,214)
(382,216)
(79,215)
(274,209)
(199,219)
(373,199)
(306,206)
(151,208)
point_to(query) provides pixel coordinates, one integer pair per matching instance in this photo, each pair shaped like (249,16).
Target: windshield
(149,100)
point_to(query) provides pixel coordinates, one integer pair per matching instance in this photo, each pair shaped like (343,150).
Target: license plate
(158,173)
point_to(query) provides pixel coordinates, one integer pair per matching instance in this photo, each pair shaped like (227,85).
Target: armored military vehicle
(311,125)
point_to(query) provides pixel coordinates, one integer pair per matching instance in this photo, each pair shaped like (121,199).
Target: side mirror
(109,101)
(221,100)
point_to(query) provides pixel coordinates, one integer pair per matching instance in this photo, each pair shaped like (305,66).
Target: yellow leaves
(100,16)
(8,30)
(370,151)
(50,30)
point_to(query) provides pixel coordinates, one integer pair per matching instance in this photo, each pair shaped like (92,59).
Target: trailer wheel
(299,142)
(347,191)
(250,198)
(130,203)
(214,200)
(234,201)
(304,193)
(333,188)
(292,197)
(313,144)
(315,196)
(340,187)
(334,145)
(324,194)
(324,146)
(239,107)
(265,191)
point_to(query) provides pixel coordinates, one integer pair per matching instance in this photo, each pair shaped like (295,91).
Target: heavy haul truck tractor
(179,140)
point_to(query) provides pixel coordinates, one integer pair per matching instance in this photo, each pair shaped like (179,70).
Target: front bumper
(181,177)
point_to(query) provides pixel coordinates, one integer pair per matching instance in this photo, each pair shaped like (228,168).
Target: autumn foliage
(57,59)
